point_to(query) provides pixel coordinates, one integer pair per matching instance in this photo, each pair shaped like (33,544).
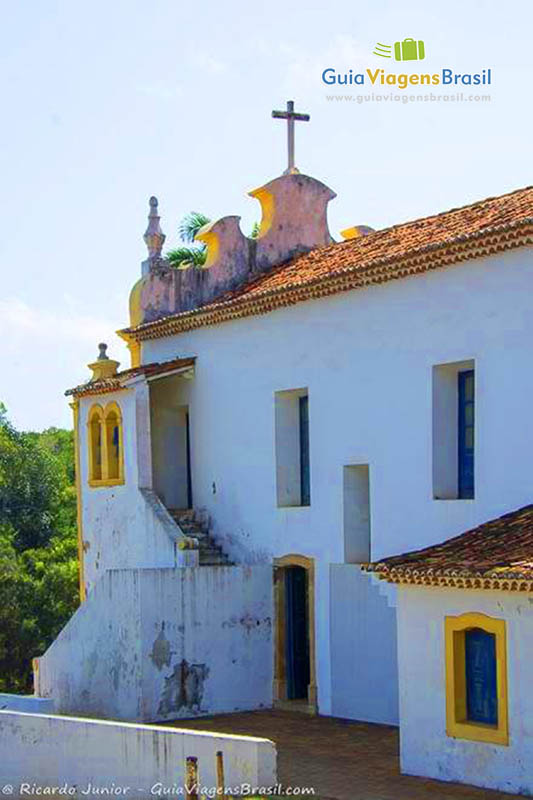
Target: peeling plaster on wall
(159,644)
(161,651)
(247,621)
(184,689)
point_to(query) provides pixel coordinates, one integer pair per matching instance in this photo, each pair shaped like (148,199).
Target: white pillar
(143,434)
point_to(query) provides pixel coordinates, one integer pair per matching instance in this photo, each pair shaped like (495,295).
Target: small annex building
(465,646)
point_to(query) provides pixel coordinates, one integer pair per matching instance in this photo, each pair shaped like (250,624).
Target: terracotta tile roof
(483,228)
(497,554)
(117,382)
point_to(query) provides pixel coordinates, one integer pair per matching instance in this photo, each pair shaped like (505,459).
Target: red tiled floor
(339,759)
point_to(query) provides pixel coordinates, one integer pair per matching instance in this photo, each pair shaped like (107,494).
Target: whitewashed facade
(374,364)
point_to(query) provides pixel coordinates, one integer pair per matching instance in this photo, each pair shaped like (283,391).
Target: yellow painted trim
(107,482)
(96,413)
(210,239)
(113,407)
(135,353)
(354,232)
(267,202)
(279,686)
(132,344)
(136,316)
(456,724)
(75,406)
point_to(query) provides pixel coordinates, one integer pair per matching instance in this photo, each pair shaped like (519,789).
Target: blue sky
(107,103)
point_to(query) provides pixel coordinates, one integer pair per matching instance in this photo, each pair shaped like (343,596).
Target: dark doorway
(296,633)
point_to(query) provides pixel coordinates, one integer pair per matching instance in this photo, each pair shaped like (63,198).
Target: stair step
(188,526)
(196,526)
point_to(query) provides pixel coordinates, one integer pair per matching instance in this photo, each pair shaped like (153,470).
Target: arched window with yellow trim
(106,455)
(113,440)
(96,416)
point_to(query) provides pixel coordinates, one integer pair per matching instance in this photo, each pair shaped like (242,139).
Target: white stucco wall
(366,358)
(82,756)
(425,748)
(120,529)
(93,667)
(364,664)
(160,644)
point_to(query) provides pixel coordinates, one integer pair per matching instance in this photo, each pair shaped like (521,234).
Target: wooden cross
(291,116)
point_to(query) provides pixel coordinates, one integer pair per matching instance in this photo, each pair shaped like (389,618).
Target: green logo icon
(408,50)
(384,50)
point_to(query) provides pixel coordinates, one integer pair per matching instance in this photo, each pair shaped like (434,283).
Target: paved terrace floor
(340,759)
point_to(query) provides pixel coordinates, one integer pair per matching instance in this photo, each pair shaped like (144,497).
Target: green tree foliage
(38,546)
(189,254)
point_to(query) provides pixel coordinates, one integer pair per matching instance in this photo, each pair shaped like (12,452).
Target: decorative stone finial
(154,236)
(102,352)
(103,367)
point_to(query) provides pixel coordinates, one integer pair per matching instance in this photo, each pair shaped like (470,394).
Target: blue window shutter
(305,484)
(481,688)
(466,427)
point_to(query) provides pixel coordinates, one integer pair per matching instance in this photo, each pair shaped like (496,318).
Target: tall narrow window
(293,480)
(113,471)
(95,444)
(466,433)
(305,485)
(113,445)
(453,430)
(356,513)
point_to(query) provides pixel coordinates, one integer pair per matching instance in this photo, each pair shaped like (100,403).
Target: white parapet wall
(79,757)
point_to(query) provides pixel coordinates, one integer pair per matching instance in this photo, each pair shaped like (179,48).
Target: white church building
(294,410)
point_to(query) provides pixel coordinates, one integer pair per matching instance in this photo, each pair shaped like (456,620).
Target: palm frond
(182,257)
(191,224)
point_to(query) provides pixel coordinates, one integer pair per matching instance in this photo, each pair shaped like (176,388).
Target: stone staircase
(196,526)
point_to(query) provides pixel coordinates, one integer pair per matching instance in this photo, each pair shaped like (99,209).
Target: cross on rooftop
(291,116)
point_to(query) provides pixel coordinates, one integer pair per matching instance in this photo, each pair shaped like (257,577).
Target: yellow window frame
(457,725)
(103,414)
